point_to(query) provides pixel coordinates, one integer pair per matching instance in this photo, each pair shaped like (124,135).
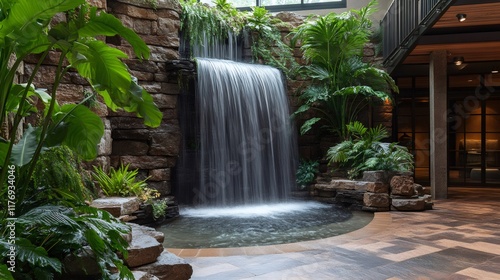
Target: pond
(266,224)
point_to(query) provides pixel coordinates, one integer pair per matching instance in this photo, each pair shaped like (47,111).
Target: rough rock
(377,187)
(141,275)
(419,189)
(378,176)
(402,185)
(376,200)
(143,230)
(143,249)
(117,206)
(399,204)
(169,267)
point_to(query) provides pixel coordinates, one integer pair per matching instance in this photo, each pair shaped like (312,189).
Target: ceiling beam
(409,70)
(472,2)
(460,38)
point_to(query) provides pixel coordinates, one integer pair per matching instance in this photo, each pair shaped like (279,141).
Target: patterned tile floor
(459,239)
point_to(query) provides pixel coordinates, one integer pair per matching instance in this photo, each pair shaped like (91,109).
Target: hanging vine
(267,46)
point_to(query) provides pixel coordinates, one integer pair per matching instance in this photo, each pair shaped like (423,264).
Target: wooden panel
(478,14)
(472,52)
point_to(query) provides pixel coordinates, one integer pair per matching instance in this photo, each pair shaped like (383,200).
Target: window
(287,5)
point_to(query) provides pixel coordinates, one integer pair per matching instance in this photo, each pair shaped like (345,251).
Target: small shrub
(306,173)
(363,151)
(159,207)
(119,182)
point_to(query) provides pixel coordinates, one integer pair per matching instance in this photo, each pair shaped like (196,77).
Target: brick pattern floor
(459,239)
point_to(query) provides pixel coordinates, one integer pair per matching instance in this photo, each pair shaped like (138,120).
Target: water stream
(247,146)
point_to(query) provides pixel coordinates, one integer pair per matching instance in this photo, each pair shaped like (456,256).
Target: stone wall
(126,140)
(153,151)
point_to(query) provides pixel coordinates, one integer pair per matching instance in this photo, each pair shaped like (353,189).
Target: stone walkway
(460,239)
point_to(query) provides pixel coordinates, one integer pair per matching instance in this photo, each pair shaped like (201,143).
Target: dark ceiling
(477,40)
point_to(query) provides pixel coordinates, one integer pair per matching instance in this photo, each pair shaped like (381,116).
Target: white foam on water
(247,211)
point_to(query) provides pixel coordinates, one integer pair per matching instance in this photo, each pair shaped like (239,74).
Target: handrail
(402,20)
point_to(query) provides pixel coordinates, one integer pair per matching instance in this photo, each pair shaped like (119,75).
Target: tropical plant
(364,151)
(342,83)
(119,182)
(306,173)
(123,182)
(58,179)
(46,235)
(267,44)
(27,29)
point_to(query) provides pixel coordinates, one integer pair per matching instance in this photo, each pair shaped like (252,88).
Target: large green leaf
(48,216)
(109,25)
(23,151)
(36,256)
(308,125)
(84,129)
(5,273)
(147,109)
(25,16)
(102,66)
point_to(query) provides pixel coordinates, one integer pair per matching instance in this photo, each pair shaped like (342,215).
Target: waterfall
(247,148)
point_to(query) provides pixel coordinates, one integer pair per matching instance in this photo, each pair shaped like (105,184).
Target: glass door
(473,141)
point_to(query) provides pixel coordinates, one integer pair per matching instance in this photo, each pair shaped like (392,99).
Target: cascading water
(247,146)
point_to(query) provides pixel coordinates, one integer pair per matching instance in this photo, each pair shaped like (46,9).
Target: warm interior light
(461,17)
(494,71)
(458,60)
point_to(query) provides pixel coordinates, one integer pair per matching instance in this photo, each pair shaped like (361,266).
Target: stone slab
(117,206)
(408,204)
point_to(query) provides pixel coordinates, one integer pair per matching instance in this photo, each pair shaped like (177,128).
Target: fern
(363,151)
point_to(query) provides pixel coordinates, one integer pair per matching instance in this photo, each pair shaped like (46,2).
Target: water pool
(259,225)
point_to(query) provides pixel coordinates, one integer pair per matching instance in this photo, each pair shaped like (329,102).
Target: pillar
(438,126)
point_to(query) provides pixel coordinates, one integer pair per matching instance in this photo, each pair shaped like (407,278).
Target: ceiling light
(494,71)
(458,60)
(461,17)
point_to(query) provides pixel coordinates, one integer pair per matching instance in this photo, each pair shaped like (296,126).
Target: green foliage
(47,234)
(159,207)
(57,180)
(198,19)
(306,173)
(342,83)
(119,182)
(201,22)
(363,151)
(267,44)
(25,29)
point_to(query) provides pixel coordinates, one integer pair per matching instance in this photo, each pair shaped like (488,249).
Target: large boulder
(378,200)
(144,230)
(143,249)
(402,186)
(169,267)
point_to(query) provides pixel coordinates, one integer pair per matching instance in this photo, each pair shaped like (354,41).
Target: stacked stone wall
(126,140)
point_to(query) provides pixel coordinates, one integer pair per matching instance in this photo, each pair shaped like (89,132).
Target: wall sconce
(461,17)
(458,60)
